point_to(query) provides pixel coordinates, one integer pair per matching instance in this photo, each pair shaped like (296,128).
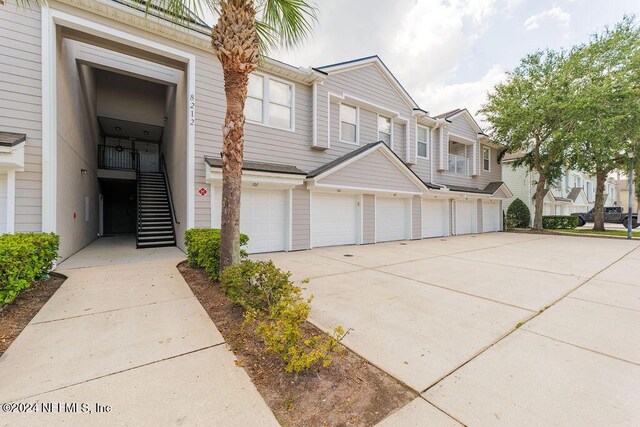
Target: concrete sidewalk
(131,336)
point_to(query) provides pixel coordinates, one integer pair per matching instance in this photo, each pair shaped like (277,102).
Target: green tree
(603,105)
(524,114)
(245,30)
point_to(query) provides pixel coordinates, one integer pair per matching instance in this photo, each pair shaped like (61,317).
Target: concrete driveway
(501,328)
(125,330)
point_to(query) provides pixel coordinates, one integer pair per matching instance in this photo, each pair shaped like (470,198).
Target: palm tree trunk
(235,87)
(598,208)
(538,207)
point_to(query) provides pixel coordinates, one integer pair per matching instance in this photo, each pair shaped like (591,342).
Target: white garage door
(391,219)
(263,217)
(490,216)
(3,204)
(334,219)
(466,216)
(435,218)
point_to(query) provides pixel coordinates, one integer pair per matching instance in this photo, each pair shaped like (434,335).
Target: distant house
(112,124)
(574,191)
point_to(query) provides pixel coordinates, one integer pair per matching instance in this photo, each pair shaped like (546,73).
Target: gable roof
(449,115)
(342,161)
(490,189)
(376,61)
(575,193)
(249,165)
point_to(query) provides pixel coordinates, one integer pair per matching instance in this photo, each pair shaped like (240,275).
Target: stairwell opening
(122,147)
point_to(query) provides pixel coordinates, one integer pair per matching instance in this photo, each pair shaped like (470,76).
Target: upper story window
(348,124)
(423,134)
(269,102)
(384,130)
(486,159)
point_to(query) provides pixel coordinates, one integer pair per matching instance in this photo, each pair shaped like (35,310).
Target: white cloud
(554,14)
(471,95)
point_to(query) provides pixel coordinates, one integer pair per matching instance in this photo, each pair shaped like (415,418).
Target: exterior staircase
(155,219)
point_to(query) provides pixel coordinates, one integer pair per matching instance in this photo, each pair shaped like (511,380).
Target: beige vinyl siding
(480,217)
(416,217)
(369,84)
(300,217)
(461,127)
(373,171)
(21,104)
(368,218)
(399,140)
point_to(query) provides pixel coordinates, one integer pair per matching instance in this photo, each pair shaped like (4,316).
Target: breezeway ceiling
(118,128)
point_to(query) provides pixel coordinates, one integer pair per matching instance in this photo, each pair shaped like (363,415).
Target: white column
(11,201)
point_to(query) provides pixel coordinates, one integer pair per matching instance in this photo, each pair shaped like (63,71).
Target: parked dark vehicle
(613,214)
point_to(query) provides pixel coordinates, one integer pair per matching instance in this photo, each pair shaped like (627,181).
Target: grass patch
(621,233)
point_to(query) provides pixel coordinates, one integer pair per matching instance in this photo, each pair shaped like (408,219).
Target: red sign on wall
(202,191)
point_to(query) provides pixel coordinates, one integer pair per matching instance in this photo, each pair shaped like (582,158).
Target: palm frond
(284,23)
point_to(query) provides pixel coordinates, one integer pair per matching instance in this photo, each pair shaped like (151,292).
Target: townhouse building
(574,191)
(110,123)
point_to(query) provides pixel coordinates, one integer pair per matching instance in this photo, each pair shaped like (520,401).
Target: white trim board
(51,19)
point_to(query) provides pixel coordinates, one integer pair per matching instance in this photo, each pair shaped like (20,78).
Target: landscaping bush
(203,249)
(518,215)
(24,257)
(276,307)
(553,222)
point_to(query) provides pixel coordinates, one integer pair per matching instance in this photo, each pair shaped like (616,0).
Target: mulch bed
(16,316)
(350,391)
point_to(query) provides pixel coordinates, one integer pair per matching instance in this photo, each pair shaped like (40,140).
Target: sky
(450,53)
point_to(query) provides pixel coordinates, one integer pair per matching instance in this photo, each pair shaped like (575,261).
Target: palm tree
(246,30)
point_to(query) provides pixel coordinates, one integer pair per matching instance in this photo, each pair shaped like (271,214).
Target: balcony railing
(117,158)
(458,164)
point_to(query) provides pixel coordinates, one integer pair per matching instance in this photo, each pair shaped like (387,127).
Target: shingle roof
(574,193)
(491,188)
(448,113)
(10,139)
(259,166)
(512,156)
(342,159)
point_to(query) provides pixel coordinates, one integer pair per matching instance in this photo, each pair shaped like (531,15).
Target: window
(348,124)
(422,142)
(269,102)
(384,130)
(486,159)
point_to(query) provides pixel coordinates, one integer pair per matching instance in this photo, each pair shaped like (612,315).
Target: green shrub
(518,215)
(203,249)
(24,257)
(274,305)
(256,285)
(553,222)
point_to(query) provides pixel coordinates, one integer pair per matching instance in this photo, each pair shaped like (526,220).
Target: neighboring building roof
(574,193)
(10,139)
(513,156)
(373,59)
(259,166)
(555,198)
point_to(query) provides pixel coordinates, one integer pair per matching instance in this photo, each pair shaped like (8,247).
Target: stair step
(162,234)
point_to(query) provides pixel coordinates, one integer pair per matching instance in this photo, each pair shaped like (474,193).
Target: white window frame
(266,82)
(426,142)
(488,150)
(357,142)
(378,128)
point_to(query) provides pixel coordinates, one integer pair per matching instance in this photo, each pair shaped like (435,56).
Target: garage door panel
(263,217)
(391,219)
(490,217)
(435,218)
(466,216)
(334,219)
